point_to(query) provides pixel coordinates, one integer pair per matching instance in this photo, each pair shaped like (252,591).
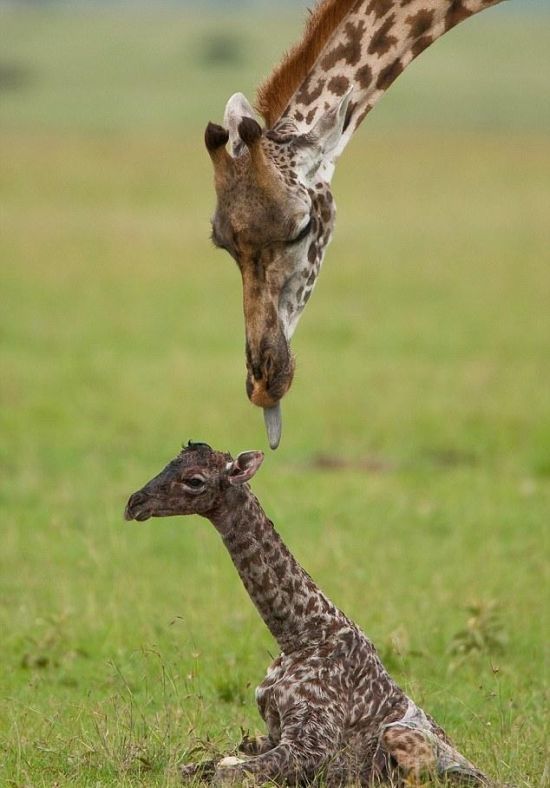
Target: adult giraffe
(275,211)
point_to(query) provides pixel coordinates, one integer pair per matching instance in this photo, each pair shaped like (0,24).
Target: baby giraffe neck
(294,609)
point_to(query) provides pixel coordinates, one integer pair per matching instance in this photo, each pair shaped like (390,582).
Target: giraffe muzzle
(138,507)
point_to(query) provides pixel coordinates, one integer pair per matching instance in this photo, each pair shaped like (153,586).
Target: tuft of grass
(484,633)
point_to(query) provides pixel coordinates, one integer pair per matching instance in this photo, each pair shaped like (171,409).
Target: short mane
(275,93)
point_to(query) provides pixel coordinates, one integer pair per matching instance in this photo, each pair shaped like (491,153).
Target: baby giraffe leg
(420,754)
(413,753)
(308,740)
(280,763)
(256,745)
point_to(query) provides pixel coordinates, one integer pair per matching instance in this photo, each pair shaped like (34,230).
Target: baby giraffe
(332,711)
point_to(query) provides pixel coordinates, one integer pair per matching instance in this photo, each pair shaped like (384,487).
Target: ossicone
(250,131)
(215,137)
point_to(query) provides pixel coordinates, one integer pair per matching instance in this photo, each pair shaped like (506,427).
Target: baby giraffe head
(197,481)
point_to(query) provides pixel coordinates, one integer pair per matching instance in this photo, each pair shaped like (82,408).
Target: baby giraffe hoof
(227,775)
(230,760)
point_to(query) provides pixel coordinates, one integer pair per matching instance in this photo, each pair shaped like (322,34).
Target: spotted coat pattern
(374,43)
(330,707)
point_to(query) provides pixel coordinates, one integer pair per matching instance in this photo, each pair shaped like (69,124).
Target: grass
(127,649)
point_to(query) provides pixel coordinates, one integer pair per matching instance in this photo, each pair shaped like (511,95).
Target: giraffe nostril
(134,503)
(268,366)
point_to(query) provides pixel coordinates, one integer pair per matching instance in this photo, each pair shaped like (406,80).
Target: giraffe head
(197,481)
(274,215)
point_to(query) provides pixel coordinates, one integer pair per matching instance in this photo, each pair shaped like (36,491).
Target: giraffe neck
(293,608)
(370,47)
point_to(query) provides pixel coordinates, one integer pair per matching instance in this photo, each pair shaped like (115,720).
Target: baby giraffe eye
(194,482)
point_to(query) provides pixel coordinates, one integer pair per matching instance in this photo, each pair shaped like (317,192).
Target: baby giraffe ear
(243,468)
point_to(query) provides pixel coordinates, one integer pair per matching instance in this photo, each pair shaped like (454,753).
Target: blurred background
(416,444)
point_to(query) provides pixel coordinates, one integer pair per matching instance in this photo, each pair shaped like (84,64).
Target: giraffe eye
(194,482)
(303,233)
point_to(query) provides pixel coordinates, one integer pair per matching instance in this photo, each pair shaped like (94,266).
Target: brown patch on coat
(310,115)
(456,13)
(413,753)
(274,94)
(363,76)
(338,85)
(381,41)
(388,74)
(420,22)
(305,95)
(379,7)
(349,50)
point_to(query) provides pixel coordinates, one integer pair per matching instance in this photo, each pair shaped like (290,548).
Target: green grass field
(423,373)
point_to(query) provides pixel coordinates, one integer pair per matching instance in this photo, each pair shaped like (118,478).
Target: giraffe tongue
(273,424)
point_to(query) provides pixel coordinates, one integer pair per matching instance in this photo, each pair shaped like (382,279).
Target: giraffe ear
(328,129)
(243,468)
(237,108)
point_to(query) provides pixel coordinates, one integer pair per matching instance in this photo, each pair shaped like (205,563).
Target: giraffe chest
(343,678)
(316,679)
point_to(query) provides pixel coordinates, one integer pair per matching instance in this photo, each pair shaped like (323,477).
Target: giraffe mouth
(142,516)
(137,510)
(140,507)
